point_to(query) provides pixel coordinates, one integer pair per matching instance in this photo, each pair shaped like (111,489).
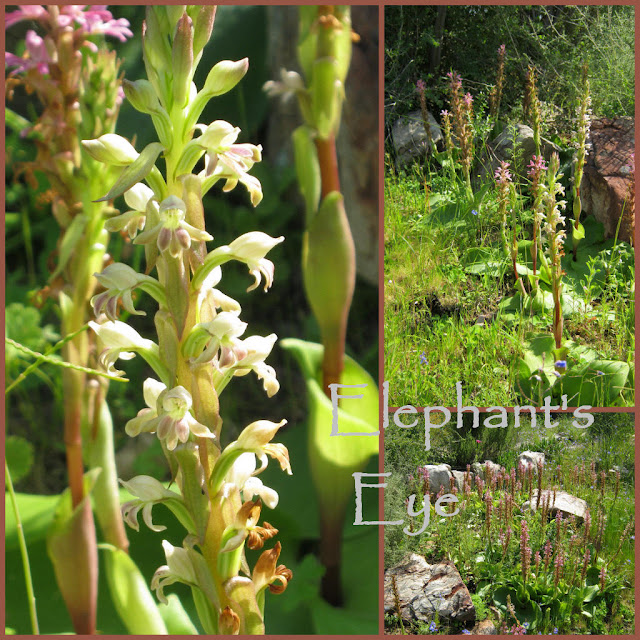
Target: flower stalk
(61,68)
(199,345)
(584,122)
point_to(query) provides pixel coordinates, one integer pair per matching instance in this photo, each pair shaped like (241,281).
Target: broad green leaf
(36,514)
(176,618)
(334,458)
(597,383)
(577,234)
(131,596)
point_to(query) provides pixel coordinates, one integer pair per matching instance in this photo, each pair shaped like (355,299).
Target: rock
(531,459)
(458,477)
(424,590)
(567,504)
(439,476)
(608,175)
(410,139)
(479,469)
(501,149)
(485,628)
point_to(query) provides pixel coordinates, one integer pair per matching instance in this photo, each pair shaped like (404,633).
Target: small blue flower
(466,632)
(555,629)
(525,625)
(600,373)
(423,358)
(561,364)
(475,213)
(433,627)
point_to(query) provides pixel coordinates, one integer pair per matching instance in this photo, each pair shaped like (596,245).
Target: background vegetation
(428,41)
(605,447)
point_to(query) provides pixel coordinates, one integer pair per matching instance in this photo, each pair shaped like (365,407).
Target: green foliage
(556,40)
(19,455)
(572,601)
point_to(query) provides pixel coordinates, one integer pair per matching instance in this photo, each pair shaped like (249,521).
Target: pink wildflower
(536,165)
(421,86)
(502,175)
(25,12)
(36,55)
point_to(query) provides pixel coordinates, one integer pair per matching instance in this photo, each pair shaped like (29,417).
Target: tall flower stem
(584,121)
(555,242)
(198,349)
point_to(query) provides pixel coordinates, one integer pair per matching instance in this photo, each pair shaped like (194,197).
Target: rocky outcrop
(531,459)
(485,628)
(564,502)
(608,175)
(439,478)
(424,590)
(410,139)
(480,469)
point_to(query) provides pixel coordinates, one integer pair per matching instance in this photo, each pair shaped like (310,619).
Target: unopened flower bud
(229,622)
(111,149)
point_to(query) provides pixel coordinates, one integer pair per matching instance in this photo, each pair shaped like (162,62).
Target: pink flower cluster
(85,20)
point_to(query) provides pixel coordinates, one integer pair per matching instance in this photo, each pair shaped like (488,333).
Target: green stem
(33,614)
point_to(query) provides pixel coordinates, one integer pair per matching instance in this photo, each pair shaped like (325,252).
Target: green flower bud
(203,26)
(142,96)
(111,149)
(221,79)
(182,60)
(174,13)
(154,42)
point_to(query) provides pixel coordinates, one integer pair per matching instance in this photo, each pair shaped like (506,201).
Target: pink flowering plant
(494,215)
(542,545)
(66,64)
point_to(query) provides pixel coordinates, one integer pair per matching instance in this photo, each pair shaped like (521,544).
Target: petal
(151,391)
(138,196)
(146,516)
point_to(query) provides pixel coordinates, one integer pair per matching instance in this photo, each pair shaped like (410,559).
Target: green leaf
(70,240)
(19,455)
(36,513)
(131,596)
(334,458)
(596,383)
(307,170)
(176,618)
(135,172)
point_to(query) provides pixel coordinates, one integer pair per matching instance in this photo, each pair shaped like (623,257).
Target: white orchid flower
(251,249)
(121,341)
(148,491)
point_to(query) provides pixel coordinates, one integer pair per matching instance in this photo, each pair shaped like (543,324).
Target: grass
(445,277)
(583,462)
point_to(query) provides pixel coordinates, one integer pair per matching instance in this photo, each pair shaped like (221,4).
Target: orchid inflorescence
(200,346)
